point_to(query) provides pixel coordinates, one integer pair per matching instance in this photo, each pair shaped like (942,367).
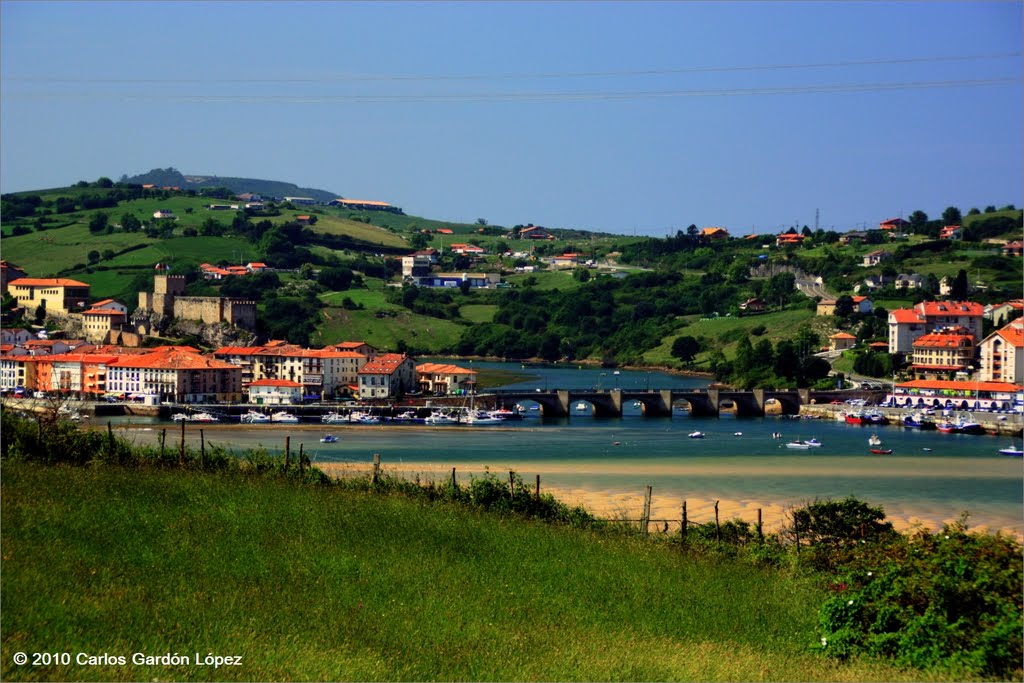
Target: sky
(629,118)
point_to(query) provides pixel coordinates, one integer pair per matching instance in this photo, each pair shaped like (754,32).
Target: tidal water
(929,476)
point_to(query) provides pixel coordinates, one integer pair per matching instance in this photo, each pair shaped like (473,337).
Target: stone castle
(168,299)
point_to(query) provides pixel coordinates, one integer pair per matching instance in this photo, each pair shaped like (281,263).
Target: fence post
(110,441)
(163,440)
(302,461)
(683,532)
(647,511)
(287,451)
(202,450)
(181,455)
(376,468)
(718,529)
(760,532)
(454,485)
(511,484)
(537,495)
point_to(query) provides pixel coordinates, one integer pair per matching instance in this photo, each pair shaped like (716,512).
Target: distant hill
(171,177)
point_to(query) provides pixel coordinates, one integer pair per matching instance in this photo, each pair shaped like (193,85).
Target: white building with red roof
(1002,354)
(386,376)
(275,392)
(444,378)
(907,324)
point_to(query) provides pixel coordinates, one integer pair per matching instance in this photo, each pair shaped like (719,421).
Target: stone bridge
(659,402)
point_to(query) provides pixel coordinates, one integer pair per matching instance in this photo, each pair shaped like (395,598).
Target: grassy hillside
(322,584)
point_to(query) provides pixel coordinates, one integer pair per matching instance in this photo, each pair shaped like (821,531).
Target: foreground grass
(317,583)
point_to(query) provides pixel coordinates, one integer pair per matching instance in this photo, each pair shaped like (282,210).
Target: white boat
(334,418)
(406,416)
(328,438)
(479,417)
(801,445)
(874,440)
(202,417)
(284,416)
(813,443)
(581,407)
(178,417)
(1012,450)
(254,417)
(737,433)
(696,435)
(439,418)
(362,418)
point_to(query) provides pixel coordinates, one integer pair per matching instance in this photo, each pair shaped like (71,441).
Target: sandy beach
(613,503)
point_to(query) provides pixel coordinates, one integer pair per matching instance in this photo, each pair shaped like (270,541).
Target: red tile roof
(275,383)
(174,358)
(842,335)
(962,386)
(940,340)
(1013,333)
(933,308)
(442,369)
(48,282)
(385,364)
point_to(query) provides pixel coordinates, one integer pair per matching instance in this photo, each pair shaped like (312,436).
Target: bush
(950,600)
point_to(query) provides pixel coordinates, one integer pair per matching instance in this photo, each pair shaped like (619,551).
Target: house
(221,207)
(300,200)
(416,266)
(364,205)
(862,304)
(879,346)
(475,280)
(441,379)
(893,225)
(875,257)
(163,213)
(1000,314)
(470,249)
(110,304)
(8,273)
(754,305)
(275,392)
(535,232)
(303,219)
(907,324)
(1002,354)
(98,322)
(59,296)
(255,266)
(386,376)
(876,282)
(789,239)
(714,234)
(1014,248)
(826,307)
(17,336)
(940,353)
(176,373)
(565,260)
(853,237)
(249,197)
(909,282)
(951,232)
(840,341)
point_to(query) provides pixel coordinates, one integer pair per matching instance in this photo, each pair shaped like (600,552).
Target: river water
(605,463)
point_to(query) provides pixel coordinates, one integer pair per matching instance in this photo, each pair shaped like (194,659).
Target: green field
(384,327)
(478,313)
(316,583)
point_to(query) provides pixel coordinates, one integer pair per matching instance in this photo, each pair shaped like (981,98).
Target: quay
(996,424)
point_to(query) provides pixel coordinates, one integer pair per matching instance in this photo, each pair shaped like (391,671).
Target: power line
(522,76)
(518,96)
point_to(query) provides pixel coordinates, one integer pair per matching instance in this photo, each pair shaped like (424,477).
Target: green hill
(171,177)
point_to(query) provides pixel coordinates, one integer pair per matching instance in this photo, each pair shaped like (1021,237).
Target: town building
(714,234)
(951,232)
(364,205)
(907,324)
(1002,354)
(754,305)
(475,280)
(565,260)
(1014,248)
(301,200)
(98,322)
(59,296)
(535,232)
(789,239)
(1000,314)
(958,395)
(941,354)
(387,376)
(466,249)
(440,379)
(840,341)
(275,392)
(169,300)
(909,282)
(893,225)
(176,373)
(875,257)
(825,307)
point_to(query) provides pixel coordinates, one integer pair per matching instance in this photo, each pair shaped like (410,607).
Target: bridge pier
(561,407)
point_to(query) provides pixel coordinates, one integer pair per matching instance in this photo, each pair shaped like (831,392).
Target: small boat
(917,421)
(1012,450)
(881,451)
(855,418)
(333,418)
(254,417)
(801,445)
(580,407)
(328,438)
(439,418)
(947,427)
(874,440)
(178,417)
(284,416)
(927,450)
(813,443)
(203,417)
(407,416)
(505,414)
(737,433)
(362,418)
(696,435)
(616,443)
(479,417)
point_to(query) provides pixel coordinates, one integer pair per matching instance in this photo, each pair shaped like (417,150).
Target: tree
(108,254)
(960,286)
(98,223)
(104,182)
(481,222)
(418,241)
(951,216)
(337,279)
(129,223)
(844,306)
(93,256)
(778,288)
(918,220)
(685,348)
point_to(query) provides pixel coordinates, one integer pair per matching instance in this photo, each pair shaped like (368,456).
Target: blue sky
(620,117)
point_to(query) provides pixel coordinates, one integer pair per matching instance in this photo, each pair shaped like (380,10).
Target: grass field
(478,313)
(545,279)
(322,584)
(384,327)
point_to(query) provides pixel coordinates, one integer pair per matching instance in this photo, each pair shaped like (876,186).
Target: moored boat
(801,445)
(203,417)
(254,417)
(855,418)
(1012,450)
(696,435)
(328,438)
(285,417)
(881,451)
